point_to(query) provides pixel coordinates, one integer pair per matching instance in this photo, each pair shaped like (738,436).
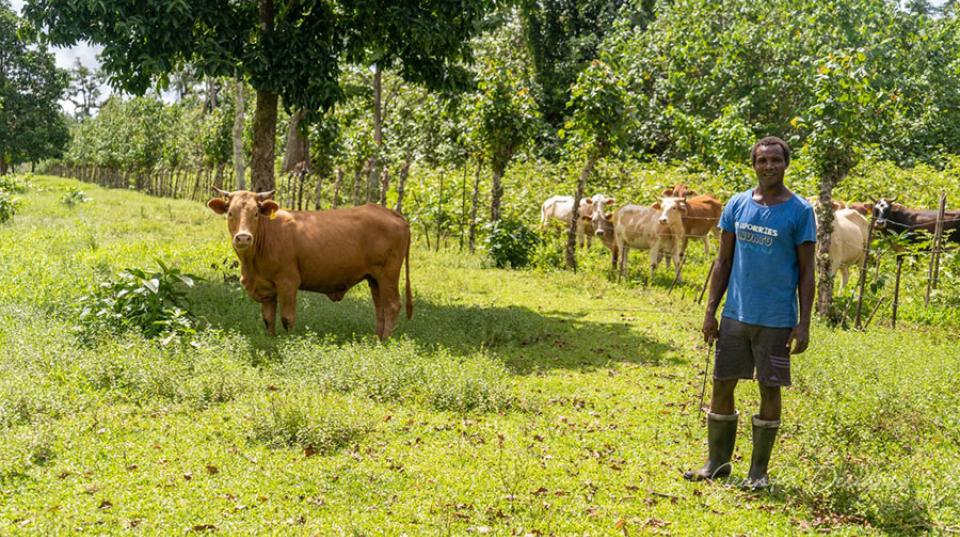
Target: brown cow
(323,251)
(700,214)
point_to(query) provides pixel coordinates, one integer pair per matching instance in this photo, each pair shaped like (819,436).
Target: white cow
(561,208)
(848,242)
(657,228)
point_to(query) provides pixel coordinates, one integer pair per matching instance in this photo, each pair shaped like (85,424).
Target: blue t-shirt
(763,281)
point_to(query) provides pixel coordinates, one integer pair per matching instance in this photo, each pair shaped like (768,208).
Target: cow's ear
(588,201)
(218,205)
(269,207)
(668,192)
(610,201)
(868,206)
(609,217)
(656,205)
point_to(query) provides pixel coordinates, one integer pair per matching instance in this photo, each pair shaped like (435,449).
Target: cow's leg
(287,293)
(624,255)
(706,244)
(844,276)
(677,260)
(375,293)
(654,260)
(390,302)
(268,309)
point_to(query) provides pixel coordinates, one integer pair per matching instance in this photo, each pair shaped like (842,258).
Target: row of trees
(690,80)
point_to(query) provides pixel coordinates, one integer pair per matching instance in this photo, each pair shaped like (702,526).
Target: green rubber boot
(764,435)
(721,436)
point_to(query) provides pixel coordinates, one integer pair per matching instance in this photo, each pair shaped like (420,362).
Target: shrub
(8,206)
(155,303)
(73,197)
(510,243)
(12,184)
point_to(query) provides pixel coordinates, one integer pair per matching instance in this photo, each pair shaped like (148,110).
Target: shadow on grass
(526,341)
(905,513)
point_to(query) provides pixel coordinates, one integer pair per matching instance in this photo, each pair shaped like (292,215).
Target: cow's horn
(223,193)
(893,200)
(265,195)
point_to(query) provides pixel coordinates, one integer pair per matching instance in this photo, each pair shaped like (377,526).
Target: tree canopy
(31,125)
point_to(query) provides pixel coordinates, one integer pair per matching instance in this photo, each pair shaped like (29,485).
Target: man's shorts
(747,351)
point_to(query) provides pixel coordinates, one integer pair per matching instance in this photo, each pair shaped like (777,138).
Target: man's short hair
(770,140)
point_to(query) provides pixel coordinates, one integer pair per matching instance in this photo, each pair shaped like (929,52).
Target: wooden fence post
(933,272)
(706,282)
(863,272)
(896,291)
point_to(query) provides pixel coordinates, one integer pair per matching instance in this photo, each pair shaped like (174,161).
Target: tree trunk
(476,203)
(335,202)
(373,184)
(824,230)
(402,182)
(496,194)
(238,164)
(264,135)
(298,146)
(384,186)
(3,165)
(571,256)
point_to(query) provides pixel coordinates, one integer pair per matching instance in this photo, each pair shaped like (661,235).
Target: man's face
(770,164)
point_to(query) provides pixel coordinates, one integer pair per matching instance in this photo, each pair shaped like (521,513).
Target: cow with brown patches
(327,252)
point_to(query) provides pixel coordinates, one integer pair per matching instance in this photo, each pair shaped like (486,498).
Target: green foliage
(510,243)
(602,115)
(400,371)
(317,424)
(13,184)
(73,197)
(32,127)
(8,206)
(152,302)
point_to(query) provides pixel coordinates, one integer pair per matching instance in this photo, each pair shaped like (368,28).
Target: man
(766,261)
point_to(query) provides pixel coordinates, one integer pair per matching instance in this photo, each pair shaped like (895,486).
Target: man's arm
(718,284)
(800,337)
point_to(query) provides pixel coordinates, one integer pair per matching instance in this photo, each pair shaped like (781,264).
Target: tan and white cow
(848,242)
(560,208)
(658,228)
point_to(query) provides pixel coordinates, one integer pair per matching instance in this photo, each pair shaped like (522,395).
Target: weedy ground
(514,402)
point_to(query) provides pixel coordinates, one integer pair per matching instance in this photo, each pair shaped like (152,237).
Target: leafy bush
(12,184)
(155,303)
(74,196)
(8,206)
(510,243)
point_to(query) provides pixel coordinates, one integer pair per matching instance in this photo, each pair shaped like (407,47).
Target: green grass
(515,402)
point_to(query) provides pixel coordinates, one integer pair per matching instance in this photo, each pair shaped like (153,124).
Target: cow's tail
(409,290)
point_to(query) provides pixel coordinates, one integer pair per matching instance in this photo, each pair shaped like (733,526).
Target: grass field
(513,403)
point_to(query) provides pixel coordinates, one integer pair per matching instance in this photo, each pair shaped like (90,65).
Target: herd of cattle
(282,252)
(666,226)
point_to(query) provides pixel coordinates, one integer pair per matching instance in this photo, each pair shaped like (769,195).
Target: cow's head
(598,219)
(243,210)
(671,210)
(881,212)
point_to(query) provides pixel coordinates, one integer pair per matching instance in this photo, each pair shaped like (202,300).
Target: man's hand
(799,338)
(711,329)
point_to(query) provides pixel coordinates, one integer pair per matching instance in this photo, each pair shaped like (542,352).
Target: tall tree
(602,117)
(31,124)
(289,49)
(564,36)
(84,91)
